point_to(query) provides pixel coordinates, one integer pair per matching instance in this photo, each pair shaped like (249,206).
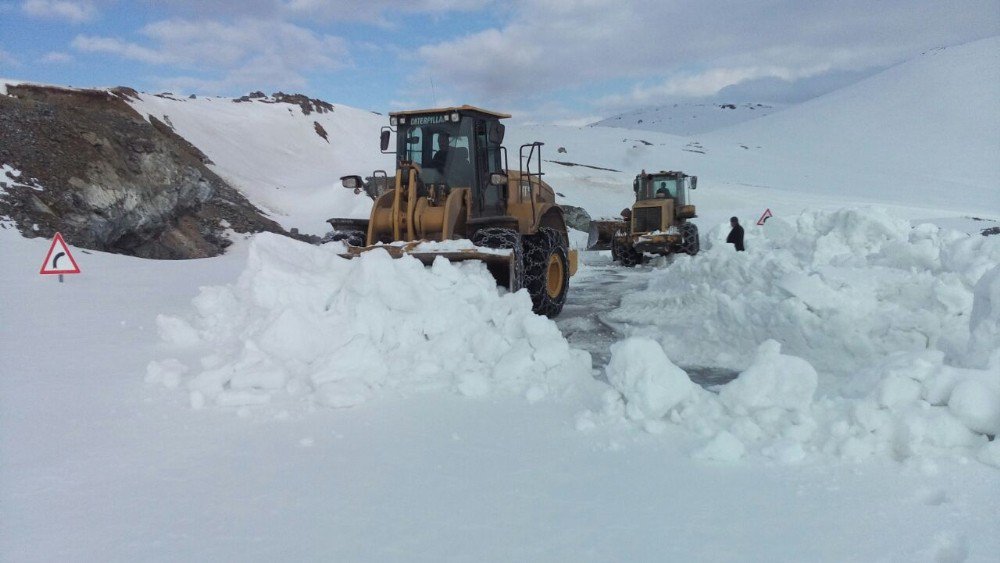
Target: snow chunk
(772,380)
(724,447)
(166,372)
(977,405)
(650,383)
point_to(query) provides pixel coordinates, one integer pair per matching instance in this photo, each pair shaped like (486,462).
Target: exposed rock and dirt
(84,163)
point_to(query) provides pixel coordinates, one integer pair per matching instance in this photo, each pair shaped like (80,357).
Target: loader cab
(455,148)
(664,185)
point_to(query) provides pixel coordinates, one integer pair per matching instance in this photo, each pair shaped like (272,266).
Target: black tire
(353,238)
(546,271)
(502,237)
(689,239)
(623,253)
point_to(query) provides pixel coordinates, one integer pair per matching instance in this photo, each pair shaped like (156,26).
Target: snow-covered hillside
(921,136)
(932,122)
(688,118)
(275,154)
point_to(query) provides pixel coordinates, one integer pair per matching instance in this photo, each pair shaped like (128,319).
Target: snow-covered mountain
(286,161)
(921,135)
(688,118)
(931,121)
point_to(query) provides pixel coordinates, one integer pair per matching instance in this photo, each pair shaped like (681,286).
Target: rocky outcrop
(308,105)
(110,180)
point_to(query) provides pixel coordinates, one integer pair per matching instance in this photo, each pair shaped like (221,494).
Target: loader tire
(353,238)
(501,237)
(689,239)
(546,271)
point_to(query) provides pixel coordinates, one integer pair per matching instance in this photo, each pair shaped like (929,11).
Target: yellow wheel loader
(658,222)
(454,195)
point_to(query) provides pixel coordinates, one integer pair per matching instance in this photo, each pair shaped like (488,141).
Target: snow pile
(304,324)
(920,408)
(855,335)
(841,289)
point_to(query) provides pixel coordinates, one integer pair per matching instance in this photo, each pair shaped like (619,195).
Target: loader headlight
(393,121)
(455,117)
(498,179)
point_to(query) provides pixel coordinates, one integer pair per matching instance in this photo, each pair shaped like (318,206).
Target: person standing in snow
(736,234)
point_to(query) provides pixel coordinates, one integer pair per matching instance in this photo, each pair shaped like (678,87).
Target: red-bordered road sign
(57,253)
(763,218)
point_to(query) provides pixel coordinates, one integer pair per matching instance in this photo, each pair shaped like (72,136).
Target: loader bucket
(500,262)
(602,232)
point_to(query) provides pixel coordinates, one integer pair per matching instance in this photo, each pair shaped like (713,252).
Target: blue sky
(546,60)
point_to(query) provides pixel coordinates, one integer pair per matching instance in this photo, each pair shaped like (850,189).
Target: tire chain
(500,238)
(689,239)
(353,238)
(627,255)
(537,249)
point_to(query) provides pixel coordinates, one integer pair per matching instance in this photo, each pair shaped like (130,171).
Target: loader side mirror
(694,182)
(352,182)
(384,139)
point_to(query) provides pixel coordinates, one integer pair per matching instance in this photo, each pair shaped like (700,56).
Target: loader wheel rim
(554,277)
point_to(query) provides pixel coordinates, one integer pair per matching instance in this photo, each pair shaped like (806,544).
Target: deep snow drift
(304,323)
(855,333)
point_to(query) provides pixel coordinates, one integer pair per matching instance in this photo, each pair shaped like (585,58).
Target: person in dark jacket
(736,235)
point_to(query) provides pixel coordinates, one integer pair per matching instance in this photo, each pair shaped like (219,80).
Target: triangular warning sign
(59,260)
(763,218)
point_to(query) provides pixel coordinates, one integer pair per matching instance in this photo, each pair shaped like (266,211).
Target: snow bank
(303,324)
(920,408)
(841,289)
(855,335)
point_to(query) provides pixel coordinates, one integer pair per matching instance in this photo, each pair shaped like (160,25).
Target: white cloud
(381,12)
(689,48)
(55,57)
(78,11)
(248,53)
(110,45)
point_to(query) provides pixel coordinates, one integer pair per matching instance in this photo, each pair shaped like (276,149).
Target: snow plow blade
(602,232)
(499,262)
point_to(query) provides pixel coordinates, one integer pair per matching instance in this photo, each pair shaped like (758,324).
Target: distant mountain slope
(924,135)
(285,153)
(933,119)
(687,119)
